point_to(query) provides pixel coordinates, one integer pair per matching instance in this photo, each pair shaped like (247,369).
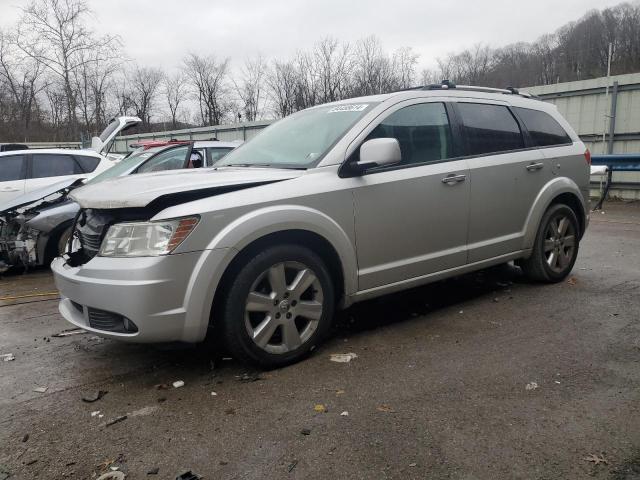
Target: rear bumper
(148,295)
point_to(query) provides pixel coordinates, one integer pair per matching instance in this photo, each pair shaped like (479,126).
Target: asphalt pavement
(484,376)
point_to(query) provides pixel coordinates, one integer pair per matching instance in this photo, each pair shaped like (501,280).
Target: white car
(22,171)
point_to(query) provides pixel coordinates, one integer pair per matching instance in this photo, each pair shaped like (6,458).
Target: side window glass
(422,130)
(171,159)
(216,154)
(11,168)
(53,165)
(88,164)
(489,128)
(543,128)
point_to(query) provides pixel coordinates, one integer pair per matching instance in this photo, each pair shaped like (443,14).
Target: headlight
(146,239)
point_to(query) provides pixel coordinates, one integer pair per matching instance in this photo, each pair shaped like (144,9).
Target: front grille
(110,322)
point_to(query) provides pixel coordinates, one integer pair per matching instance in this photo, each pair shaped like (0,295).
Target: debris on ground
(25,437)
(320,408)
(144,411)
(31,462)
(531,386)
(413,464)
(94,396)
(178,384)
(96,414)
(340,392)
(292,465)
(344,414)
(496,299)
(40,389)
(153,471)
(248,378)
(112,476)
(116,420)
(342,357)
(557,381)
(596,459)
(230,411)
(188,476)
(572,281)
(305,431)
(214,394)
(162,386)
(70,331)
(384,408)
(7,357)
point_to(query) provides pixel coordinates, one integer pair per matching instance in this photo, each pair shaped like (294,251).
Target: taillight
(587,156)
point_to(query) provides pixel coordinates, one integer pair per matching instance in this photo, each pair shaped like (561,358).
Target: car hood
(175,186)
(39,194)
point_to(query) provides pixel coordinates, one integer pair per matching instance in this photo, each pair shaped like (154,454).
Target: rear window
(53,165)
(489,128)
(11,168)
(88,164)
(543,128)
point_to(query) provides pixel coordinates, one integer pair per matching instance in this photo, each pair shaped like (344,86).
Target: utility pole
(606,100)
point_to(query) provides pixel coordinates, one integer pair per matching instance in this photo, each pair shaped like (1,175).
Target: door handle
(453,179)
(10,189)
(532,167)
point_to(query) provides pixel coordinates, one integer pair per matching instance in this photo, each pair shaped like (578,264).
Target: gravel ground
(480,377)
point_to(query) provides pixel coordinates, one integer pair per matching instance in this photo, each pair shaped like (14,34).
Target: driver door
(411,218)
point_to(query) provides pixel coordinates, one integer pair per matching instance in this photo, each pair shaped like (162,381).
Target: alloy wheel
(284,307)
(559,242)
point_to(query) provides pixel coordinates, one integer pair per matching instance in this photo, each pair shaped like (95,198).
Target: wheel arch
(255,230)
(559,190)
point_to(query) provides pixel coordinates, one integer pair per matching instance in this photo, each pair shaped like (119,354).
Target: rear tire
(277,307)
(556,246)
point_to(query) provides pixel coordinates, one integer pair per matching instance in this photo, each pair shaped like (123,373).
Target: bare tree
(53,33)
(23,80)
(144,86)
(333,66)
(175,90)
(250,87)
(282,82)
(208,78)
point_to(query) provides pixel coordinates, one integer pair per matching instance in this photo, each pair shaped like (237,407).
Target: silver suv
(332,205)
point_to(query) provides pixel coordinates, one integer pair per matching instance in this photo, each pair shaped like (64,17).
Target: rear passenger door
(48,168)
(506,175)
(12,173)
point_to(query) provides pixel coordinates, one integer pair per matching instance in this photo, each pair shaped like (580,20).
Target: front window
(300,140)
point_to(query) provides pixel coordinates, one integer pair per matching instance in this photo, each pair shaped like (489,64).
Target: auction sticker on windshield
(356,107)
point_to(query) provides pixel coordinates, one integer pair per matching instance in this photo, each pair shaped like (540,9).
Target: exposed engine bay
(30,232)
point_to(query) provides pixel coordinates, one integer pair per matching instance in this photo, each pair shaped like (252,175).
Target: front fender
(549,192)
(252,226)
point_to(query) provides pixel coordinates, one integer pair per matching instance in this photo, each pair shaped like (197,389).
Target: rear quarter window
(88,164)
(489,128)
(544,130)
(11,168)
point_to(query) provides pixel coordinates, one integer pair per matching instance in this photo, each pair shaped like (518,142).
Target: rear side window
(53,165)
(489,128)
(216,154)
(543,128)
(88,164)
(171,159)
(11,168)
(422,130)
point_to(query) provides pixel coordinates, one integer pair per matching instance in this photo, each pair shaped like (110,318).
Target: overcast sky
(161,32)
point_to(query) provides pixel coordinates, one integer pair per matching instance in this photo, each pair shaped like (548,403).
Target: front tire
(278,307)
(556,246)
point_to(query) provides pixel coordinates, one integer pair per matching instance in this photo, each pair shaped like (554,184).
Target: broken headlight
(146,239)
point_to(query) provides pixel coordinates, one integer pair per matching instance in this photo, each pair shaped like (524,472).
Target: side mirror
(379,152)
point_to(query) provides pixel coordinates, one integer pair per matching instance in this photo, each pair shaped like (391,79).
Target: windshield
(300,140)
(126,165)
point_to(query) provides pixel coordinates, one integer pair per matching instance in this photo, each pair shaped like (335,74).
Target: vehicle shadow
(416,302)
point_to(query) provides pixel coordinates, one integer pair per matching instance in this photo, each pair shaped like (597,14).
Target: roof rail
(447,84)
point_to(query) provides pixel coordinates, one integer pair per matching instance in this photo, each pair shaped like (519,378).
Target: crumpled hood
(39,194)
(140,190)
